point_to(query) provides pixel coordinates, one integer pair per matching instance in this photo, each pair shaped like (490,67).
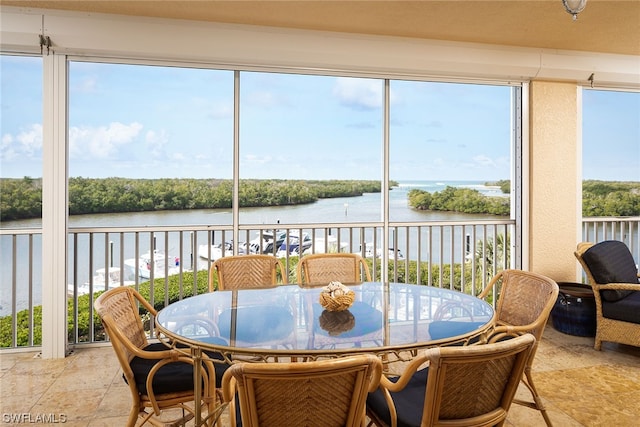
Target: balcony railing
(173,262)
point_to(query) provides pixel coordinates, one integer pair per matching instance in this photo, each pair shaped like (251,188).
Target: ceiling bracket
(45,41)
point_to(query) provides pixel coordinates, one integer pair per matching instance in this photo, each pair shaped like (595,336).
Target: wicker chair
(324,393)
(324,268)
(246,271)
(613,276)
(524,305)
(462,386)
(252,272)
(320,269)
(159,377)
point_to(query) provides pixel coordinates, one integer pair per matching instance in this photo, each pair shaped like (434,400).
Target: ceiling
(605,26)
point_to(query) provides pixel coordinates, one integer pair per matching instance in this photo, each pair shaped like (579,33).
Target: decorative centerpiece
(336,297)
(337,322)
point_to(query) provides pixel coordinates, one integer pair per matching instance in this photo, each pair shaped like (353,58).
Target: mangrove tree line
(599,198)
(22,198)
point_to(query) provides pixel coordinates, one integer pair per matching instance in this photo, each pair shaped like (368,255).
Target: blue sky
(151,122)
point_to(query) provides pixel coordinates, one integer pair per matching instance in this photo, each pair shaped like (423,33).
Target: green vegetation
(604,198)
(178,289)
(504,184)
(22,198)
(459,200)
(599,198)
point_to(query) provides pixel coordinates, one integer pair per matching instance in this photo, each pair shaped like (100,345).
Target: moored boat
(158,263)
(213,252)
(100,282)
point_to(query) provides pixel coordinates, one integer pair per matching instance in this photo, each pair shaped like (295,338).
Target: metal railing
(173,262)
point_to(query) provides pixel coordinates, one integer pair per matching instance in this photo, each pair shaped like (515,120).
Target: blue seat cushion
(171,378)
(611,261)
(409,401)
(626,309)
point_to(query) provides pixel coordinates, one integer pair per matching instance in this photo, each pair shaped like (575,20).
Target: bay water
(365,208)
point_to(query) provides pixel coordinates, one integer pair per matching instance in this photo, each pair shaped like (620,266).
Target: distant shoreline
(22,198)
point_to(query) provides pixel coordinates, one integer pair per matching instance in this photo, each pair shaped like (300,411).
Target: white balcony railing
(424,253)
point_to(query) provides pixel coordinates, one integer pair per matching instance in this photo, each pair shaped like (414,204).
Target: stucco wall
(555,179)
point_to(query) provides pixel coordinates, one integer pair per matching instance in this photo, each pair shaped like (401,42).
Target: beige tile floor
(581,386)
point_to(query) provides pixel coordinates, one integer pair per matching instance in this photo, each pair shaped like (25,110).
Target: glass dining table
(288,321)
(390,320)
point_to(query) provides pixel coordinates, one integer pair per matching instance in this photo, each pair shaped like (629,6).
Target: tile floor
(581,386)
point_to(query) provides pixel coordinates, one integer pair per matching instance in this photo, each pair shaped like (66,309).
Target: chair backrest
(246,272)
(118,310)
(325,268)
(474,385)
(525,301)
(607,262)
(152,385)
(331,392)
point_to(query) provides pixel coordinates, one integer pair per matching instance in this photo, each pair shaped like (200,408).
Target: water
(366,208)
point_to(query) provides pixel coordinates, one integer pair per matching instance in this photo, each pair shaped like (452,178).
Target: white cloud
(87,85)
(359,94)
(86,142)
(7,151)
(26,144)
(156,142)
(483,161)
(253,159)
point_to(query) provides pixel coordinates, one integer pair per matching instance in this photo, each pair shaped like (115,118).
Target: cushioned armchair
(613,276)
(462,386)
(525,300)
(159,377)
(329,392)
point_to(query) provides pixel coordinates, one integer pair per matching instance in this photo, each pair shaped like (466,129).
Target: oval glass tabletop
(289,320)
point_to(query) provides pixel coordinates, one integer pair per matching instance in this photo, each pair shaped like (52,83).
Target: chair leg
(133,417)
(597,345)
(537,401)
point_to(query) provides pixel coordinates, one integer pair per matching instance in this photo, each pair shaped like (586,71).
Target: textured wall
(555,179)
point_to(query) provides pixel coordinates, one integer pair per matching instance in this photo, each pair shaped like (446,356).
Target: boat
(321,246)
(292,246)
(266,242)
(100,283)
(160,262)
(394,254)
(263,244)
(214,252)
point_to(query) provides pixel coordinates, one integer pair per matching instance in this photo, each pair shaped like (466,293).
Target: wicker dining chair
(524,304)
(325,268)
(253,272)
(613,275)
(462,386)
(246,271)
(325,393)
(320,269)
(159,378)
